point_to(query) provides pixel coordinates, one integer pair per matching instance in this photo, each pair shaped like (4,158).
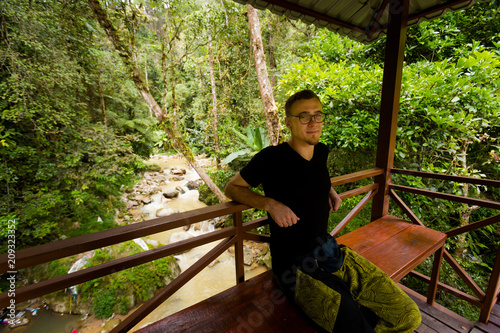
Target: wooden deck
(257,305)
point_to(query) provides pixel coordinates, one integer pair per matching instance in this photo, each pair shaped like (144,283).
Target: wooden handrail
(458,179)
(359,190)
(68,280)
(473,226)
(451,197)
(60,249)
(355,176)
(484,300)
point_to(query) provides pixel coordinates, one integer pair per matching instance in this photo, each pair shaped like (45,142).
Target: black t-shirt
(301,185)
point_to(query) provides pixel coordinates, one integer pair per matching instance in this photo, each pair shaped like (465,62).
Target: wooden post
(389,105)
(492,291)
(436,268)
(238,250)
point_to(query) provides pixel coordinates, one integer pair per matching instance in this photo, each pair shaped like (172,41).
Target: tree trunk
(214,97)
(272,58)
(266,90)
(126,55)
(466,211)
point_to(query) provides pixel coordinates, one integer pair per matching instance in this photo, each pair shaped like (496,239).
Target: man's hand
(281,214)
(335,200)
(239,190)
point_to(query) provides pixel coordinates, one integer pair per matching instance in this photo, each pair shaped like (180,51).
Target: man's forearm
(247,196)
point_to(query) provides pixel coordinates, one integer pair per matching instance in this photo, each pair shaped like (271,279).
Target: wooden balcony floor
(257,305)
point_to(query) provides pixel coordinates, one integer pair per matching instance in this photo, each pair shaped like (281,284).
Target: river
(210,280)
(207,283)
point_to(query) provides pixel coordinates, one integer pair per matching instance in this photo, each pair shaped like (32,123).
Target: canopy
(361,20)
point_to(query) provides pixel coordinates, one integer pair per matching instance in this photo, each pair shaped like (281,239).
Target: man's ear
(287,122)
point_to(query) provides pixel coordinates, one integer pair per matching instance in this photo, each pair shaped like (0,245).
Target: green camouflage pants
(368,285)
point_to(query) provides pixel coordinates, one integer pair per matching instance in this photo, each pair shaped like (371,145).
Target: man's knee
(412,319)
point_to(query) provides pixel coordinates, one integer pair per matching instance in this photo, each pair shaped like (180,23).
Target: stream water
(210,281)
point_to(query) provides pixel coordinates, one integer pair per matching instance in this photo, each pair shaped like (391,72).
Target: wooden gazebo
(394,244)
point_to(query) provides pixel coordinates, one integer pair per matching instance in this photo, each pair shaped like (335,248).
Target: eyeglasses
(306,118)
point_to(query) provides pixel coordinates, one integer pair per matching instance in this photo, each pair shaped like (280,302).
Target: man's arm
(335,200)
(239,190)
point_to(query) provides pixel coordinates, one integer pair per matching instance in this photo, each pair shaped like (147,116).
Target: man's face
(305,133)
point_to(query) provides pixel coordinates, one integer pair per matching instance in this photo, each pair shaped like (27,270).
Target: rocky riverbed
(169,187)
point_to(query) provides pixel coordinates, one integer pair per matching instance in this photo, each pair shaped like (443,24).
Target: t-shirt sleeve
(255,171)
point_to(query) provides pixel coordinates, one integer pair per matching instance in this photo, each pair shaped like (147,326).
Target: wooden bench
(257,305)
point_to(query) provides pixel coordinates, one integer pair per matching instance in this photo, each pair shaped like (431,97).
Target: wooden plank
(393,244)
(494,319)
(349,217)
(355,176)
(252,306)
(445,196)
(458,179)
(404,251)
(357,191)
(437,310)
(487,328)
(437,325)
(377,231)
(477,330)
(451,319)
(423,328)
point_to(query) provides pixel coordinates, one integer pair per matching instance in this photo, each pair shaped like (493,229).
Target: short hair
(303,94)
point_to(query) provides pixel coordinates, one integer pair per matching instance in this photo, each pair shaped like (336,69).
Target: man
(332,285)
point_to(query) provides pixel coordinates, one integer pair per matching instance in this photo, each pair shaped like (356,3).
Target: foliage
(113,293)
(443,38)
(104,304)
(60,164)
(350,97)
(73,127)
(255,139)
(448,123)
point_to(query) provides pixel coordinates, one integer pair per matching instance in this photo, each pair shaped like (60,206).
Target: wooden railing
(228,237)
(44,253)
(483,300)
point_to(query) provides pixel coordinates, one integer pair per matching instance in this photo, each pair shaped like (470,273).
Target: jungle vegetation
(90,89)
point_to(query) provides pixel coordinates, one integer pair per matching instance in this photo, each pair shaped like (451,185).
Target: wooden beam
(75,278)
(64,248)
(473,226)
(359,190)
(436,268)
(389,105)
(445,196)
(457,179)
(355,176)
(492,291)
(352,214)
(464,276)
(411,215)
(446,288)
(238,248)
